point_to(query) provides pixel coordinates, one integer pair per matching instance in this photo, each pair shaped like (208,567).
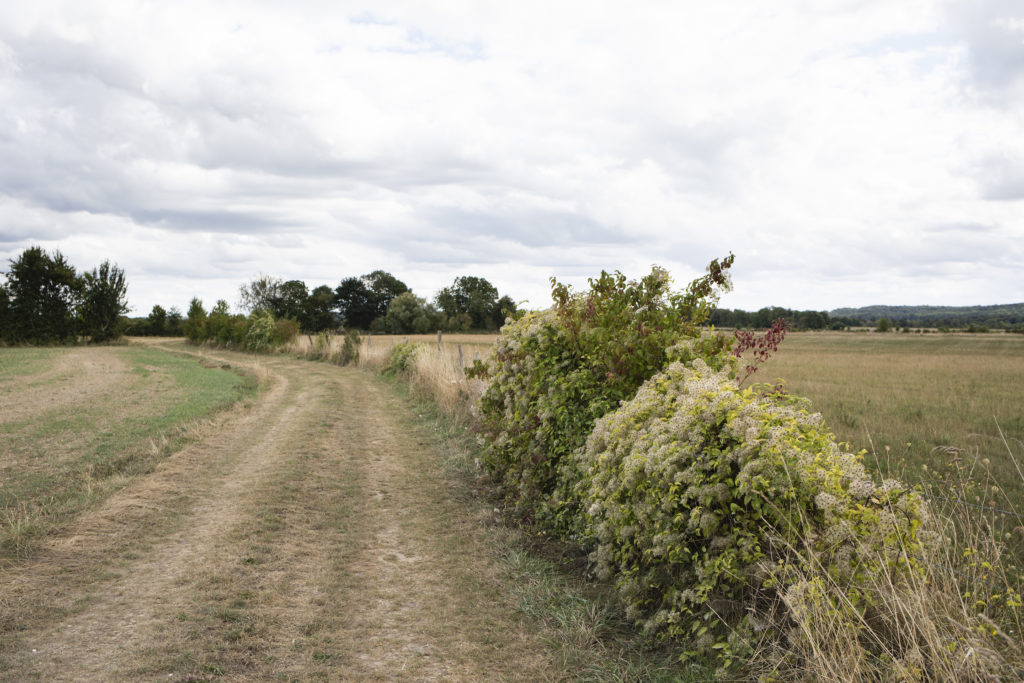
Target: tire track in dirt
(312,536)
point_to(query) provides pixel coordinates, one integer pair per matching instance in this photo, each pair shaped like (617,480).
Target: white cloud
(199,144)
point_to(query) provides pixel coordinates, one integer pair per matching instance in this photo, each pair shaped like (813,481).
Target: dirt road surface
(309,535)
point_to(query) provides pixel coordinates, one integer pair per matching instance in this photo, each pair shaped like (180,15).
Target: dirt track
(312,535)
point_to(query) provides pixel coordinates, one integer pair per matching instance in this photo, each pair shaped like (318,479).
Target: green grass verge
(64,458)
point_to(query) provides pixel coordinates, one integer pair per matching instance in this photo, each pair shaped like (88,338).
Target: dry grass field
(907,398)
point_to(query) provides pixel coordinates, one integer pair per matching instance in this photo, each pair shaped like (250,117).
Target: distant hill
(1002,315)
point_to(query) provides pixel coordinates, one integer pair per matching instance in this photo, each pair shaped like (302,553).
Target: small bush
(402,357)
(285,330)
(349,348)
(259,334)
(715,506)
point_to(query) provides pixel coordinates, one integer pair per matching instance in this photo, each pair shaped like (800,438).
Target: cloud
(993,31)
(829,145)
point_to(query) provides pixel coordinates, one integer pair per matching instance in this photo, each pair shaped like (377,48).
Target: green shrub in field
(349,348)
(260,332)
(553,373)
(402,356)
(727,515)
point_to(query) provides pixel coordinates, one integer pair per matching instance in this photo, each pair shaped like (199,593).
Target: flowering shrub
(553,373)
(716,506)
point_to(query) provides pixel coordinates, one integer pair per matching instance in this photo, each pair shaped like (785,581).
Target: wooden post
(461,363)
(439,341)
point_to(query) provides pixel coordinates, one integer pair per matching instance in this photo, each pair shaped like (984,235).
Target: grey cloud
(48,59)
(994,32)
(207,221)
(959,227)
(532,228)
(1001,178)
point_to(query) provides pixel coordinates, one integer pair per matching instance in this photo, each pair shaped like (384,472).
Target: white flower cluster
(688,486)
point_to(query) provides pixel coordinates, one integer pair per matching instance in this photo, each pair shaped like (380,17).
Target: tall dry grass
(436,372)
(956,617)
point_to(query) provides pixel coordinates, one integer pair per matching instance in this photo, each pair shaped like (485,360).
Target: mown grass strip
(62,459)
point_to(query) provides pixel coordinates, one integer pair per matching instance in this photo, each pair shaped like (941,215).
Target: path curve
(310,535)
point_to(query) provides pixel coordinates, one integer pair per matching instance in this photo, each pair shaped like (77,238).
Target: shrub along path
(312,534)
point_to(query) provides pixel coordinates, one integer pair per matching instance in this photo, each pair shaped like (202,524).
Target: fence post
(439,341)
(461,364)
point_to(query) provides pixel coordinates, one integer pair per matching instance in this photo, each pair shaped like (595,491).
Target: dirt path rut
(310,536)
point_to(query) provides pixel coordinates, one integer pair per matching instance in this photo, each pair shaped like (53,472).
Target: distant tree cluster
(259,331)
(969,318)
(765,317)
(46,301)
(380,302)
(160,322)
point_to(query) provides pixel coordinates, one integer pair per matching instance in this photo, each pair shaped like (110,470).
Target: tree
(104,301)
(321,313)
(157,321)
(293,302)
(383,288)
(261,294)
(175,323)
(219,323)
(352,299)
(196,322)
(475,297)
(410,314)
(506,307)
(884,325)
(5,307)
(365,299)
(44,292)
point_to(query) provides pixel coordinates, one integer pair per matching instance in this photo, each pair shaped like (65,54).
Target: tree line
(765,317)
(1001,316)
(377,302)
(45,300)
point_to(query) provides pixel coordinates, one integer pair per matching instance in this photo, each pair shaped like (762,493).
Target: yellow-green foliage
(713,504)
(261,331)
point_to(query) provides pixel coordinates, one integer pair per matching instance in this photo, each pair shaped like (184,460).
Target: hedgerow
(729,518)
(726,515)
(553,373)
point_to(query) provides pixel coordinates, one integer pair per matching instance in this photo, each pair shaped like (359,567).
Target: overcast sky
(848,152)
